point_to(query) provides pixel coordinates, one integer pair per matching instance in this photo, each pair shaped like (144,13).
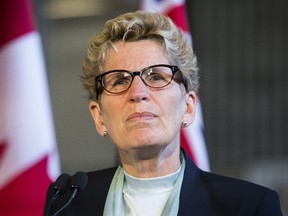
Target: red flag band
(28,154)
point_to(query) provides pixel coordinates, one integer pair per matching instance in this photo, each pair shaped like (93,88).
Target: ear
(191,100)
(96,113)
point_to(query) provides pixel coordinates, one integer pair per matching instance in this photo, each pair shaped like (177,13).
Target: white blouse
(147,196)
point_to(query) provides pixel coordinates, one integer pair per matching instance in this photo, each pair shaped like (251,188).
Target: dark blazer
(202,194)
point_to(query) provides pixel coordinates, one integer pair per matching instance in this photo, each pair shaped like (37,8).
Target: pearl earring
(105,134)
(184,124)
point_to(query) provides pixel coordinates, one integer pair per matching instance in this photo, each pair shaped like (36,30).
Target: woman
(142,75)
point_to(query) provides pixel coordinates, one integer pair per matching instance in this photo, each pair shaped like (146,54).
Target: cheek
(110,118)
(174,109)
(112,114)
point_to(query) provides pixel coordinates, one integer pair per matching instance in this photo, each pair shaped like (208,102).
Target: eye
(156,74)
(117,79)
(121,81)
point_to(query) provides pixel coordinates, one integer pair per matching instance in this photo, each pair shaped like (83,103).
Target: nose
(138,91)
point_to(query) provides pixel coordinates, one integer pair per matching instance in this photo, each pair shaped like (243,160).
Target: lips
(141,116)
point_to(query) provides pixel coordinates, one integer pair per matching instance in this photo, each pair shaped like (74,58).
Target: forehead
(135,55)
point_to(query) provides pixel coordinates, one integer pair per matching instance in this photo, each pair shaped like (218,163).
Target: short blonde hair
(135,26)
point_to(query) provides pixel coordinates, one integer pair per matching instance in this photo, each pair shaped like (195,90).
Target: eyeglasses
(155,76)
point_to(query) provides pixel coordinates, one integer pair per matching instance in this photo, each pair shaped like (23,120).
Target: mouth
(143,116)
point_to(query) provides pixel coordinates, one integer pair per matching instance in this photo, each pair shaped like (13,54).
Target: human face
(142,117)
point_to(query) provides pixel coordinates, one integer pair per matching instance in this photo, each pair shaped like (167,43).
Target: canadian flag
(28,154)
(192,137)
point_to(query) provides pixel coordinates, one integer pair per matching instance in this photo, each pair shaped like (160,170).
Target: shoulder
(99,175)
(225,195)
(240,195)
(224,184)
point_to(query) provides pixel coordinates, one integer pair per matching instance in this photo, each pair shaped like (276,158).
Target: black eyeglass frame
(99,78)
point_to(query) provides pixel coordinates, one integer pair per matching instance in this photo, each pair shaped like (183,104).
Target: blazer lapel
(190,189)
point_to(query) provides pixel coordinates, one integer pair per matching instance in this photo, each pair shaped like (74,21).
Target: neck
(151,162)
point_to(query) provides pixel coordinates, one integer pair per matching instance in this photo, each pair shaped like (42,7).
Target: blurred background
(242,47)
